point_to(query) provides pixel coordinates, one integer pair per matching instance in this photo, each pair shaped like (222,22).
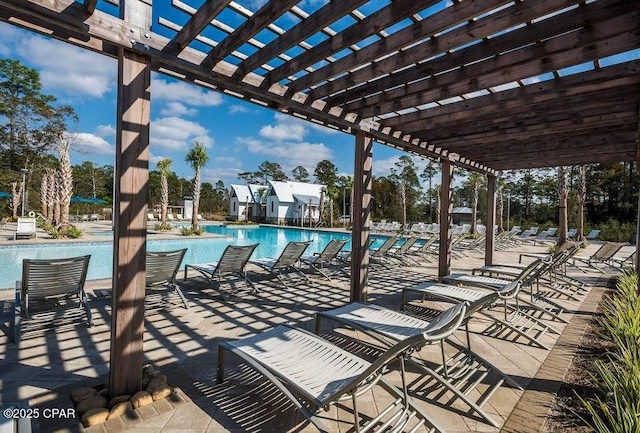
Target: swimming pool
(271,239)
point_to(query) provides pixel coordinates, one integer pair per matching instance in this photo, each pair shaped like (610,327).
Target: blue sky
(238,135)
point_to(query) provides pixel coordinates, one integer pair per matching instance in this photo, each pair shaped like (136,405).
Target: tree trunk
(196,200)
(164,198)
(563,192)
(44,188)
(15,200)
(439,203)
(66,184)
(582,194)
(474,208)
(56,199)
(51,195)
(500,205)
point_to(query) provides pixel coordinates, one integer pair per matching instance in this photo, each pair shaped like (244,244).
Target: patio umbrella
(5,194)
(80,200)
(96,200)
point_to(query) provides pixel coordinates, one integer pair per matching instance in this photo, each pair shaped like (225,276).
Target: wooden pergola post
(130,217)
(446,207)
(361,224)
(492,182)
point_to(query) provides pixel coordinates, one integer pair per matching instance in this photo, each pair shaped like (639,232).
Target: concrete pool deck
(183,344)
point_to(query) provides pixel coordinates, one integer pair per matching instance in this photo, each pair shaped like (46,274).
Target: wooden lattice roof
(489,84)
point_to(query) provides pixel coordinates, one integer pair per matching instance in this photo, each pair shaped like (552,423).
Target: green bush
(615,231)
(74,232)
(190,231)
(163,227)
(616,408)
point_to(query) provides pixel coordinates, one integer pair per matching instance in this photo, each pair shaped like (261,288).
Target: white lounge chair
(297,361)
(26,228)
(151,217)
(325,258)
(463,370)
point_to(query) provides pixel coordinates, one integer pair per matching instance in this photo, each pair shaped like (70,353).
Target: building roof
(287,190)
(250,193)
(462,210)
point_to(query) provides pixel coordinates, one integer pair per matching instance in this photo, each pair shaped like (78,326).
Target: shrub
(163,227)
(190,231)
(74,232)
(616,408)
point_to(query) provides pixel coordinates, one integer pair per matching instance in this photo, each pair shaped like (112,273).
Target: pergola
(482,85)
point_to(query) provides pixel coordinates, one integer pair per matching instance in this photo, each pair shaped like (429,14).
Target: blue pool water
(271,241)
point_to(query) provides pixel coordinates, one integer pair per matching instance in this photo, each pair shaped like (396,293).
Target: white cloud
(283,132)
(228,161)
(185,93)
(289,155)
(235,109)
(177,134)
(8,35)
(177,109)
(105,130)
(86,143)
(225,174)
(72,70)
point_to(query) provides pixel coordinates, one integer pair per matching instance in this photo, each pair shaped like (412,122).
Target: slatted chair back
(593,234)
(386,246)
(25,227)
(406,246)
(291,254)
(607,251)
(234,259)
(330,252)
(162,267)
(51,278)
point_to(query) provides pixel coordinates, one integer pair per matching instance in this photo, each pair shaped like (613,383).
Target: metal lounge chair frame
(287,261)
(601,255)
(233,261)
(49,279)
(324,374)
(325,258)
(527,276)
(459,373)
(161,270)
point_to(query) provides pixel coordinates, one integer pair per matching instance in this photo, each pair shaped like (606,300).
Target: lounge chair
(3,222)
(287,261)
(162,268)
(326,258)
(179,217)
(572,233)
(170,217)
(233,261)
(297,361)
(459,373)
(593,234)
(50,285)
(514,321)
(26,228)
(151,217)
(602,256)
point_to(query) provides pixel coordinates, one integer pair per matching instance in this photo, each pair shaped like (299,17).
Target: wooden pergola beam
(603,39)
(475,30)
(457,13)
(329,13)
(619,76)
(196,24)
(249,28)
(385,17)
(90,5)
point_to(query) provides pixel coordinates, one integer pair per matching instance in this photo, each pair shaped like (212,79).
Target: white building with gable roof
(291,202)
(246,202)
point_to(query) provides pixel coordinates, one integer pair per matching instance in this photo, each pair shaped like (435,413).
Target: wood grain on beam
(617,76)
(611,37)
(456,14)
(90,5)
(198,22)
(476,30)
(306,28)
(249,28)
(379,20)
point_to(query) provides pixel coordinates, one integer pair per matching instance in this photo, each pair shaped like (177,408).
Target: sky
(238,135)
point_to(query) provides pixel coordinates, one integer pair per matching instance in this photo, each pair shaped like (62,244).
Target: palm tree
(163,166)
(44,187)
(197,158)
(66,183)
